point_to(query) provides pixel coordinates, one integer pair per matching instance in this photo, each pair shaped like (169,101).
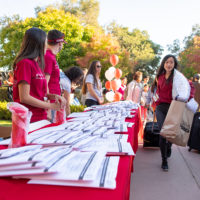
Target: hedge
(4,94)
(6,114)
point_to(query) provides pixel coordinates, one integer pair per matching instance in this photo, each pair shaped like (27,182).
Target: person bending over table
(69,80)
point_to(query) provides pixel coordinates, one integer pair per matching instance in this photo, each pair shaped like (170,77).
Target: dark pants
(161,112)
(91,102)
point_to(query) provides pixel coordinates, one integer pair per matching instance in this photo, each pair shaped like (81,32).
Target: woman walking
(170,84)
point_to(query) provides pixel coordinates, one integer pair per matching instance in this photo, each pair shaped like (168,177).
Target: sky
(164,20)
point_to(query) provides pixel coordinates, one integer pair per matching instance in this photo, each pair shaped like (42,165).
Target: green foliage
(86,10)
(13,29)
(75,108)
(4,94)
(4,112)
(175,47)
(100,47)
(143,54)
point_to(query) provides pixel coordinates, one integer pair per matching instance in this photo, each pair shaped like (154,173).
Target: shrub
(75,108)
(4,94)
(4,112)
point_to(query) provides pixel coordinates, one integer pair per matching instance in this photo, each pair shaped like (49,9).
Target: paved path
(181,182)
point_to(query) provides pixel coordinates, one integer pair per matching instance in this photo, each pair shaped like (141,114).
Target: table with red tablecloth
(18,189)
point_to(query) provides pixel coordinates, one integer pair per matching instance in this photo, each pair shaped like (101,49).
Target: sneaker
(164,165)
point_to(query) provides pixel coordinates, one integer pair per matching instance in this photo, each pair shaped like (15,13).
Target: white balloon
(112,69)
(110,96)
(118,81)
(109,75)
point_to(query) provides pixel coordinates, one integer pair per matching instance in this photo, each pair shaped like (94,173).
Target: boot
(164,165)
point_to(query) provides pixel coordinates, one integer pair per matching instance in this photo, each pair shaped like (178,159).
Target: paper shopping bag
(177,124)
(182,137)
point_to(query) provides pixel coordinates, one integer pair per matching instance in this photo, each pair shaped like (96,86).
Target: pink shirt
(52,68)
(29,71)
(121,90)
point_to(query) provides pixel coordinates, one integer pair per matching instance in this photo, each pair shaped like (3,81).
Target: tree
(100,47)
(144,54)
(86,10)
(189,57)
(175,48)
(13,29)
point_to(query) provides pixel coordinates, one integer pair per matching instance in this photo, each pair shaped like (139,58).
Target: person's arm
(47,76)
(25,97)
(93,93)
(57,98)
(67,98)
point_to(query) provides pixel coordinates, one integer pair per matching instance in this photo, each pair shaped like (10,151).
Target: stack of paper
(105,178)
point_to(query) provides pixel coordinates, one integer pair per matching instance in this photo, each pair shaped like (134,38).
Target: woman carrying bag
(171,85)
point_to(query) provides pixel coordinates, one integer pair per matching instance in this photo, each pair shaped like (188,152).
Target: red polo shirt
(29,71)
(52,68)
(164,90)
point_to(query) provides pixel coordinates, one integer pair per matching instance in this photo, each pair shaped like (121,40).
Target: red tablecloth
(11,189)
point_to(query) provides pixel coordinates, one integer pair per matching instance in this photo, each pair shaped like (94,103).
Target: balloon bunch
(114,83)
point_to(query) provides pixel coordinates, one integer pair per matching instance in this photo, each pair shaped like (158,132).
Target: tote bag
(177,124)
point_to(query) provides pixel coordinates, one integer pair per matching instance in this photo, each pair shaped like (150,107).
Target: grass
(5,123)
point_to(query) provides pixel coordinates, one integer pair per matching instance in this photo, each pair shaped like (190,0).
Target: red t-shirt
(164,90)
(52,68)
(29,71)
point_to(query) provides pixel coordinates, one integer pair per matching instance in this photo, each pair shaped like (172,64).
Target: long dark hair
(33,45)
(92,70)
(162,70)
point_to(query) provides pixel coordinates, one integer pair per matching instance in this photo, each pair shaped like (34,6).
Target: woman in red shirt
(163,83)
(30,86)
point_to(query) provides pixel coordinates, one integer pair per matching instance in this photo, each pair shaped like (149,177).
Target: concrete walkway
(181,182)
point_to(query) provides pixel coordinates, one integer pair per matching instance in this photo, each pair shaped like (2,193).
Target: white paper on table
(79,119)
(82,114)
(82,166)
(39,124)
(54,137)
(20,167)
(43,159)
(106,177)
(5,142)
(110,145)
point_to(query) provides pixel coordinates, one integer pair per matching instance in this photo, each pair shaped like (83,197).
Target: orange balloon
(114,60)
(108,85)
(117,96)
(114,85)
(118,73)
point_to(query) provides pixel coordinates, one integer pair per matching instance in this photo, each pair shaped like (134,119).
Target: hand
(101,100)
(55,106)
(61,100)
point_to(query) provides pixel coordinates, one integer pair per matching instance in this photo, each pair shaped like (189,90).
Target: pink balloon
(114,59)
(114,85)
(118,73)
(117,96)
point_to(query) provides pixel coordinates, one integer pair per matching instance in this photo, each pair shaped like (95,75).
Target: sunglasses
(98,66)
